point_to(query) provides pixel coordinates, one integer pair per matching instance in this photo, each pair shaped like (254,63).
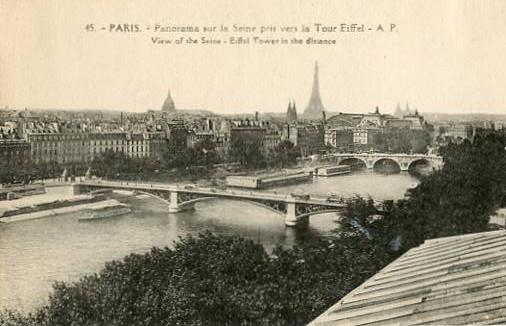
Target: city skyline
(444,58)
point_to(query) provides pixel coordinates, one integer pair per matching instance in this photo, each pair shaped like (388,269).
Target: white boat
(328,171)
(110,211)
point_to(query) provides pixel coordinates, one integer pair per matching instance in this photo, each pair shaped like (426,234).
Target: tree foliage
(404,140)
(457,199)
(210,280)
(247,150)
(285,154)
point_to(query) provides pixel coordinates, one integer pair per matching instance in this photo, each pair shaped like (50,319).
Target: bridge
(294,209)
(403,161)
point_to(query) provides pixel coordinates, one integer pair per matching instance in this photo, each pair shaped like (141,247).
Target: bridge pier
(291,214)
(175,207)
(291,218)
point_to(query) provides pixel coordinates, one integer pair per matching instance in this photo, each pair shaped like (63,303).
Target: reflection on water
(35,253)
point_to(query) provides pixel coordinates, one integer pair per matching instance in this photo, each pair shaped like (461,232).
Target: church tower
(291,113)
(315,107)
(168,104)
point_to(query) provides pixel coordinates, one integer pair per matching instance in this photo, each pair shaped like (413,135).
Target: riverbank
(52,193)
(58,211)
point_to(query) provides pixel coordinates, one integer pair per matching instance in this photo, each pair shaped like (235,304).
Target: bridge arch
(354,162)
(382,161)
(101,188)
(160,198)
(190,203)
(422,160)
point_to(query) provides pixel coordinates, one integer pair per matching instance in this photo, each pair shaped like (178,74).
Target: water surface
(35,253)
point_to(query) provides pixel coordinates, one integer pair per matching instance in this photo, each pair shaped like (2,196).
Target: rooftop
(446,281)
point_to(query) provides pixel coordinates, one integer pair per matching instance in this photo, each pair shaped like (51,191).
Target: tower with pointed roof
(398,111)
(291,113)
(315,107)
(168,104)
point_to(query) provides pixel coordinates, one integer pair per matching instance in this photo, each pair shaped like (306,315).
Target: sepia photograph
(281,163)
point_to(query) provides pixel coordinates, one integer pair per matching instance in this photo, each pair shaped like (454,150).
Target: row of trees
(118,165)
(227,280)
(404,140)
(251,153)
(27,170)
(248,152)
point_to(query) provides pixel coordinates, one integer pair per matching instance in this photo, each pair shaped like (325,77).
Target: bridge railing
(314,198)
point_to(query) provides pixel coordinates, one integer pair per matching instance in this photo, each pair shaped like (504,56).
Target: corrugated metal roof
(456,280)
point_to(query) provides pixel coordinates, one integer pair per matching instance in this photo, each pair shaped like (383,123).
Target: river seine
(36,253)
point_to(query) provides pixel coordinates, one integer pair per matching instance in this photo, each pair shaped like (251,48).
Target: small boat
(104,212)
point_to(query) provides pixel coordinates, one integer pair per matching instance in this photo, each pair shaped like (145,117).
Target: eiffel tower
(315,109)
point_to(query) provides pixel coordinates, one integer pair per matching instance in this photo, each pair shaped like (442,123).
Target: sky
(443,56)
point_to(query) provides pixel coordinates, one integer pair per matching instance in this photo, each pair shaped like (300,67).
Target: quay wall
(58,211)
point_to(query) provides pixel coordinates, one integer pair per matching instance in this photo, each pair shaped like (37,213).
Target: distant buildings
(417,121)
(177,134)
(14,153)
(309,137)
(347,132)
(78,147)
(258,132)
(341,139)
(455,130)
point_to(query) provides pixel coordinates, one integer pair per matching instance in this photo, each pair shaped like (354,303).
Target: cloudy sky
(446,56)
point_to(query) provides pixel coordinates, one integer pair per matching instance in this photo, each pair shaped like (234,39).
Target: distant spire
(377,111)
(398,110)
(291,113)
(168,104)
(315,106)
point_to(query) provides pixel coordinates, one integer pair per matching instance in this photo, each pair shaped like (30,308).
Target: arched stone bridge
(404,161)
(293,209)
